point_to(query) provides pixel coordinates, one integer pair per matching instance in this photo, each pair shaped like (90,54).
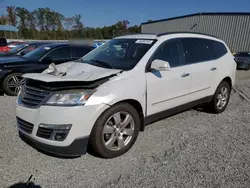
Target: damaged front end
(53,87)
(35,93)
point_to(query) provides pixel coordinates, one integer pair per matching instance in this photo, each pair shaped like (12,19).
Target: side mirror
(47,60)
(160,65)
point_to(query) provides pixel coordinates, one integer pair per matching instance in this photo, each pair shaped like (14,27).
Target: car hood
(72,71)
(11,59)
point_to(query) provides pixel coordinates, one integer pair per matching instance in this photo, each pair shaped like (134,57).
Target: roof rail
(138,34)
(185,32)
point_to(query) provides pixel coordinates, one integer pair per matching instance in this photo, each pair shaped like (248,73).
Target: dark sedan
(243,60)
(12,68)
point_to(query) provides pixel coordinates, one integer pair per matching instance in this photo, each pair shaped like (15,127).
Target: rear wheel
(12,84)
(220,98)
(115,131)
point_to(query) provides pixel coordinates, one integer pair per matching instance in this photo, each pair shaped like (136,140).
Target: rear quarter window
(219,49)
(197,50)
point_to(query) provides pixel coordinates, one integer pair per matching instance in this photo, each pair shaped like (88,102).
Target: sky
(98,13)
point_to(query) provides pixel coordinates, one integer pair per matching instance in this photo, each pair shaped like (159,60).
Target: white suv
(106,98)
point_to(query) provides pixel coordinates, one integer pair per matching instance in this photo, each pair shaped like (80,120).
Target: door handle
(213,68)
(185,74)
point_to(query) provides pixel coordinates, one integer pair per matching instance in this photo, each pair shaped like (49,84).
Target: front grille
(44,132)
(24,125)
(32,97)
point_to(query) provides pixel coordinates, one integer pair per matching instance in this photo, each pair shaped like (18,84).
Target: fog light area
(53,132)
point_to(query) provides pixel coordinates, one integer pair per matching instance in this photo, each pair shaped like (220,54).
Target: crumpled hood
(72,71)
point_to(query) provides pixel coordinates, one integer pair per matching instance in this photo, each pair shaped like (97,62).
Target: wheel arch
(228,80)
(137,105)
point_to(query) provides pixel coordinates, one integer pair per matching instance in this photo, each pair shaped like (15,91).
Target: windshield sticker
(46,48)
(144,41)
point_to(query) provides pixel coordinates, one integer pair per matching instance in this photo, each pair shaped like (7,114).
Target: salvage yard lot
(191,149)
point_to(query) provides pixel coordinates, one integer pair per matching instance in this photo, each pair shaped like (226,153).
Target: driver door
(168,89)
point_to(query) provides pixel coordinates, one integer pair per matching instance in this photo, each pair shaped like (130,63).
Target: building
(233,28)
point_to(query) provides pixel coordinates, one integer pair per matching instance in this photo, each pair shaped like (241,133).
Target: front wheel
(12,83)
(220,98)
(115,131)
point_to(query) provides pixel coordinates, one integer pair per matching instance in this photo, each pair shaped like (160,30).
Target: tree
(22,14)
(3,20)
(11,15)
(44,23)
(39,15)
(68,23)
(78,24)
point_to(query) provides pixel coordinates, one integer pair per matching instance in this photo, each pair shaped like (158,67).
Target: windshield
(37,53)
(119,53)
(17,48)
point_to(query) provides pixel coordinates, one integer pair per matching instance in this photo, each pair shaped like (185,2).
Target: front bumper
(82,119)
(77,148)
(242,66)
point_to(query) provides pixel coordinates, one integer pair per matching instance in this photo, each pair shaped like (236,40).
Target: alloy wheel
(15,83)
(222,97)
(118,131)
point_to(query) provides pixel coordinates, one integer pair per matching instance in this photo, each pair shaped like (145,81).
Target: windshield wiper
(103,63)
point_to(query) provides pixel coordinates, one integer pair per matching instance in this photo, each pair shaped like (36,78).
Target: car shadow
(25,185)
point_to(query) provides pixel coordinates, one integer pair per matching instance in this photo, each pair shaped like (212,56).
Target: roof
(202,13)
(139,36)
(55,45)
(8,28)
(156,35)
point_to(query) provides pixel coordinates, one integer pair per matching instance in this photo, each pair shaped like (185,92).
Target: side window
(219,49)
(78,52)
(60,53)
(197,50)
(170,51)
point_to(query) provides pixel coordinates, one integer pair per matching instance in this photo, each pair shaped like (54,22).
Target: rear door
(199,57)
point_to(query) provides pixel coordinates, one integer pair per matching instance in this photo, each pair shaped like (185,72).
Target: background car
(22,49)
(14,44)
(243,60)
(36,61)
(4,45)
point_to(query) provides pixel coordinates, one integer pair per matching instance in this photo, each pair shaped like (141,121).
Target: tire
(214,106)
(98,138)
(248,68)
(12,83)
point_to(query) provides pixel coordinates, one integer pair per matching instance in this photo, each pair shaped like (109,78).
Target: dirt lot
(191,149)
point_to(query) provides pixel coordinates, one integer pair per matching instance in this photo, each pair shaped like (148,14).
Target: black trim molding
(164,114)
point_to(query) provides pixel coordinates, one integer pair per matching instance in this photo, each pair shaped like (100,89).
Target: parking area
(191,149)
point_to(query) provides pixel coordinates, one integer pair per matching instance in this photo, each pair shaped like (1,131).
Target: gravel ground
(191,149)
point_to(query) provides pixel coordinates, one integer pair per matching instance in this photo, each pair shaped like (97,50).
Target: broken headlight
(70,97)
